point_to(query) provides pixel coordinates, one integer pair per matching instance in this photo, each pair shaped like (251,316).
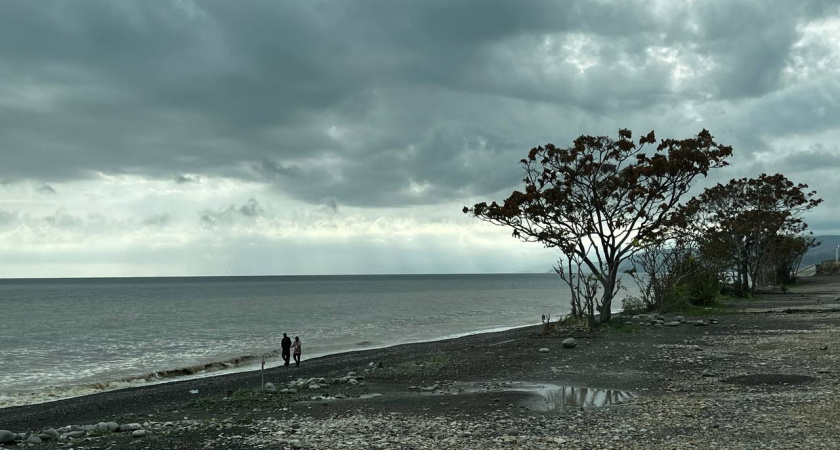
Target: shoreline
(249,363)
(764,372)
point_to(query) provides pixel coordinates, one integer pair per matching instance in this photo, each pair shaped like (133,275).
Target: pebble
(544,350)
(138,433)
(569,343)
(129,427)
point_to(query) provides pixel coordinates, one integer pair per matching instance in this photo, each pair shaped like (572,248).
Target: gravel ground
(765,376)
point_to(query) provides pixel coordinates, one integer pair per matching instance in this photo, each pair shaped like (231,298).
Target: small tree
(783,256)
(602,200)
(658,271)
(746,216)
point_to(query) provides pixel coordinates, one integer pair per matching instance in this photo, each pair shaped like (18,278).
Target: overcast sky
(181,137)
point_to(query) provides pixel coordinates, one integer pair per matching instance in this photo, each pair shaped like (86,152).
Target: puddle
(551,397)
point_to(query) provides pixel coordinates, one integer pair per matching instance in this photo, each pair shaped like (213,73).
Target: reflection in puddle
(550,397)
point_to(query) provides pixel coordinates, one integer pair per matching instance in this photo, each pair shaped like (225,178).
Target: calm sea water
(67,337)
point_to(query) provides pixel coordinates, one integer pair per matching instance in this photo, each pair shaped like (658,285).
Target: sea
(62,338)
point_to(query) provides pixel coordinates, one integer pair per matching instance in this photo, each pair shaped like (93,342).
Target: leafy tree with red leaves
(601,201)
(743,219)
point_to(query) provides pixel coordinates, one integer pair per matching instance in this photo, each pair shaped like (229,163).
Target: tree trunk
(607,298)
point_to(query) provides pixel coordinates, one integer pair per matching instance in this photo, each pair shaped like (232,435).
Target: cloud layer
(375,108)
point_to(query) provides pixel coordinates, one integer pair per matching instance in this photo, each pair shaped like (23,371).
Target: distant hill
(816,255)
(823,252)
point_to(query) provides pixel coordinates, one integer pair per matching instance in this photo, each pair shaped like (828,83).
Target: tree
(783,256)
(744,218)
(601,201)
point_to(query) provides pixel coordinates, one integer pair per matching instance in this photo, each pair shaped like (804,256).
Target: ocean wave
(53,393)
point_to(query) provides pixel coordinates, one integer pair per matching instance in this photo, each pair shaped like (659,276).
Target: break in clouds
(343,132)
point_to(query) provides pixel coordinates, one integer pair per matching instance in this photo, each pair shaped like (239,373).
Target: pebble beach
(759,373)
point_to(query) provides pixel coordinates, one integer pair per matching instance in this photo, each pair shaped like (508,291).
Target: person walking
(296,350)
(285,346)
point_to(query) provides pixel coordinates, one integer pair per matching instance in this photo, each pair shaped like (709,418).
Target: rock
(544,350)
(713,321)
(33,440)
(76,428)
(112,426)
(7,437)
(824,347)
(352,381)
(673,323)
(351,374)
(74,434)
(138,433)
(707,373)
(512,432)
(101,426)
(270,387)
(44,437)
(569,343)
(51,432)
(129,427)
(679,319)
(372,364)
(169,424)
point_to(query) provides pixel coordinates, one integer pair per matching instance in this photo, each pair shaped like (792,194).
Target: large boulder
(7,437)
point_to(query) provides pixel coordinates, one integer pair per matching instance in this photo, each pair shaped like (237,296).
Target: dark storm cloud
(184,179)
(46,189)
(228,215)
(377,103)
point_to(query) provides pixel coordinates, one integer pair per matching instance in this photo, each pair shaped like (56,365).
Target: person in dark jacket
(286,346)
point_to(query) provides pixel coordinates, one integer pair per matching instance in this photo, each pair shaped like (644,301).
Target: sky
(179,137)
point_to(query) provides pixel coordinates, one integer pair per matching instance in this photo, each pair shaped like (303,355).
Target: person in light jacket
(296,350)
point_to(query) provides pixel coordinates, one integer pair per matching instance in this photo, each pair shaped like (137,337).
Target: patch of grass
(428,366)
(687,309)
(98,433)
(621,327)
(245,399)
